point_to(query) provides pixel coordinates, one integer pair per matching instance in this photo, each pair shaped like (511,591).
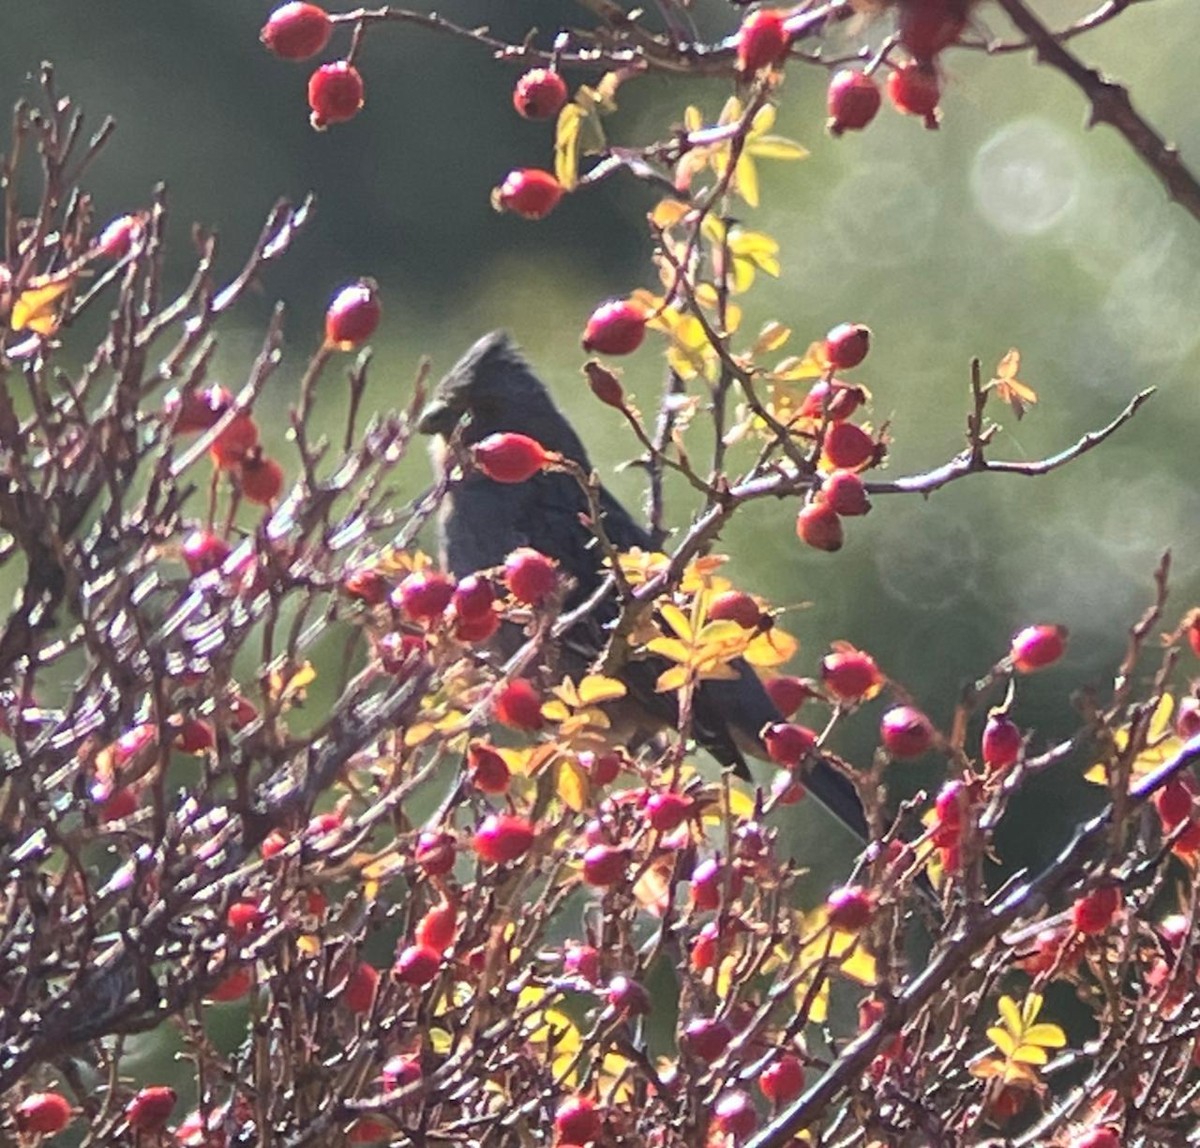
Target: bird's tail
(834,790)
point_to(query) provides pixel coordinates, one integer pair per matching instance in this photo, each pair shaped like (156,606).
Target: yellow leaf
(1002,1040)
(745,178)
(567,145)
(776,147)
(308,944)
(771,648)
(441,1042)
(596,688)
(678,621)
(671,648)
(668,213)
(673,679)
(1010,1014)
(1046,1035)
(36,308)
(572,785)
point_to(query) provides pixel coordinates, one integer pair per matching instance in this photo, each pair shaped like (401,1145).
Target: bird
(492,389)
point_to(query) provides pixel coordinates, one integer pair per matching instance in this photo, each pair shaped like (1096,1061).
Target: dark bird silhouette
(492,389)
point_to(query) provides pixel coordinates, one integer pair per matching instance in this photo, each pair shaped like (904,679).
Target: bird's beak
(438,417)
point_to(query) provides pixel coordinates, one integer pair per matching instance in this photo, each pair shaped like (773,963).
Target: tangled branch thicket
(176,834)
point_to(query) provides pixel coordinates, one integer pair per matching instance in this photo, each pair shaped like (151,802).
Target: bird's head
(492,389)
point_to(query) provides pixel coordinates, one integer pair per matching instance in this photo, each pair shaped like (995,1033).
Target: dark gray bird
(492,389)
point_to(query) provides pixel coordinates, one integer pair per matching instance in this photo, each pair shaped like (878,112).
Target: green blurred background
(1012,226)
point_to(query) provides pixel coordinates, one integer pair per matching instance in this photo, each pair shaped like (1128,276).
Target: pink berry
(204,551)
(666,812)
(194,411)
(1094,912)
(847,345)
(539,94)
(836,401)
(438,928)
(950,808)
(400,1071)
(605,865)
(358,993)
(150,1108)
(844,491)
(734,1114)
(244,918)
(503,837)
(1001,743)
(852,101)
(435,853)
(367,585)
(709,880)
(576,1121)
(473,598)
(517,704)
(819,526)
(615,328)
(1192,629)
(789,744)
(851,675)
(417,965)
(353,315)
(1175,802)
(424,595)
(581,961)
(117,238)
(1036,647)
(627,996)
(788,693)
(906,732)
(784,1080)
(296,31)
(706,1038)
(1187,717)
(850,908)
(761,40)
(528,192)
(510,457)
(530,576)
(335,94)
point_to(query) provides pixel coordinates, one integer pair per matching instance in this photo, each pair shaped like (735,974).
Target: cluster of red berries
(299,31)
(531,192)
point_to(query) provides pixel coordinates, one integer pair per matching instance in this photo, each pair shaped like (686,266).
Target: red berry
(367,585)
(915,90)
(836,401)
(847,345)
(705,947)
(518,705)
(234,442)
(397,650)
(195,411)
(844,491)
(819,526)
(761,40)
(1174,802)
(260,478)
(605,865)
(906,732)
(736,606)
(789,744)
(473,598)
(400,1071)
(121,804)
(510,457)
(503,837)
(788,693)
(1192,628)
(150,1108)
(435,853)
(850,908)
(708,885)
(296,31)
(927,26)
(438,928)
(489,770)
(950,808)
(734,1114)
(539,94)
(1001,743)
(576,1121)
(848,447)
(783,1080)
(233,986)
(604,385)
(1187,840)
(351,319)
(44,1112)
(244,918)
(1094,912)
(1187,718)
(581,961)
(1103,1137)
(335,94)
(706,1038)
(476,629)
(368,1130)
(194,736)
(628,996)
(602,768)
(424,595)
(117,238)
(666,812)
(851,675)
(615,328)
(853,100)
(530,576)
(417,965)
(358,993)
(528,192)
(1036,647)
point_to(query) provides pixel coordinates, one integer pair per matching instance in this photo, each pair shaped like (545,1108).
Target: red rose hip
(510,457)
(335,94)
(528,192)
(819,526)
(1036,647)
(539,94)
(615,328)
(847,345)
(906,732)
(503,837)
(852,101)
(530,576)
(296,31)
(353,315)
(761,40)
